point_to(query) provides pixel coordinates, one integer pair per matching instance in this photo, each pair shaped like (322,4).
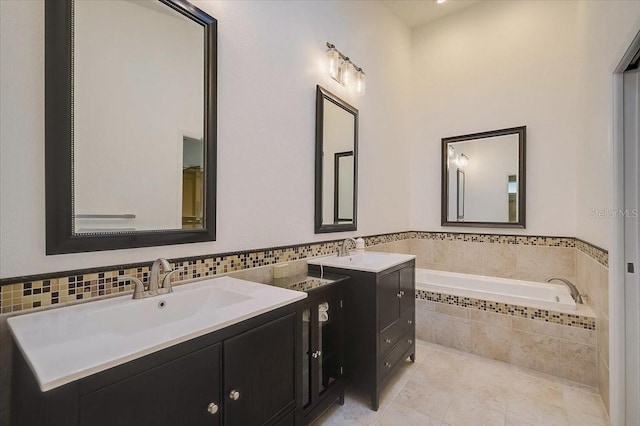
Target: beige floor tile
(435,359)
(468,409)
(452,388)
(398,414)
(430,398)
(540,411)
(584,408)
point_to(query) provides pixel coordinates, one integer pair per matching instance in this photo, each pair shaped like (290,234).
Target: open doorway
(625,268)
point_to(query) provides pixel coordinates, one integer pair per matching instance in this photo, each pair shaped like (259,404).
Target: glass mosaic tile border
(598,254)
(525,240)
(23,293)
(562,318)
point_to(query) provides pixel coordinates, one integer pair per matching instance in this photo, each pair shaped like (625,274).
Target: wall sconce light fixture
(345,72)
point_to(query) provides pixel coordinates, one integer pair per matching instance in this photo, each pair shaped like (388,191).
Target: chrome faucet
(572,288)
(160,266)
(159,280)
(343,251)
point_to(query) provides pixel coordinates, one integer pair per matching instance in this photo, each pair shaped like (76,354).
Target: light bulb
(361,80)
(347,73)
(333,63)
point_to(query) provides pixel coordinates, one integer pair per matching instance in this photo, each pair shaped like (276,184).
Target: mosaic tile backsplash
(26,293)
(571,320)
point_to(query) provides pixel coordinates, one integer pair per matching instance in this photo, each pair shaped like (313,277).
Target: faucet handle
(165,286)
(139,289)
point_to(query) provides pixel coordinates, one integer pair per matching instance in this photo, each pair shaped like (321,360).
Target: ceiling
(418,12)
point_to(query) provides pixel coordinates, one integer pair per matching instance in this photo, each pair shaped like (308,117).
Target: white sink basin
(127,318)
(367,261)
(65,344)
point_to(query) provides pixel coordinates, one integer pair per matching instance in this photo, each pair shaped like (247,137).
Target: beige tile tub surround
(564,351)
(593,279)
(523,262)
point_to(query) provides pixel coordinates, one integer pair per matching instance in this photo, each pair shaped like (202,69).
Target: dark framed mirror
(484,179)
(336,164)
(130,124)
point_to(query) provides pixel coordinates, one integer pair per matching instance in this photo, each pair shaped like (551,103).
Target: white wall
(492,66)
(605,31)
(270,56)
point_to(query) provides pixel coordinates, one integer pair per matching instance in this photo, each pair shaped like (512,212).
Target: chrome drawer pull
(234,394)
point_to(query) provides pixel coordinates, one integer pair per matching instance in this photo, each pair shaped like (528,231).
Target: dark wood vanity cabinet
(242,375)
(380,325)
(259,372)
(322,350)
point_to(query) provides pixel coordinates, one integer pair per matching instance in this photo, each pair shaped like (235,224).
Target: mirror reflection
(483,179)
(138,117)
(336,163)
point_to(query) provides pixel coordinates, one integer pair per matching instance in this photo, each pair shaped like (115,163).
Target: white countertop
(65,344)
(368,261)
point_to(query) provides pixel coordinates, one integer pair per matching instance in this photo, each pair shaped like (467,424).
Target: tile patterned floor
(446,387)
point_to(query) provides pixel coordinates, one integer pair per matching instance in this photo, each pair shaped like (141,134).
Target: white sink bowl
(367,261)
(65,344)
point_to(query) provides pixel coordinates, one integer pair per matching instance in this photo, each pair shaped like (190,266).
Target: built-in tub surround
(558,342)
(508,291)
(593,280)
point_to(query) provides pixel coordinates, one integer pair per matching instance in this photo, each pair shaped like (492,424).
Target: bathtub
(515,292)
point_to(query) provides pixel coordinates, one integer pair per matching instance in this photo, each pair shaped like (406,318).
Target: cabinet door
(330,334)
(388,291)
(259,372)
(176,393)
(407,289)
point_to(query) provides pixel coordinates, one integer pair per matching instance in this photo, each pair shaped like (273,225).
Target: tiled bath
(552,348)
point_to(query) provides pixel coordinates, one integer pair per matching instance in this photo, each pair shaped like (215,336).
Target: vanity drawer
(396,355)
(390,335)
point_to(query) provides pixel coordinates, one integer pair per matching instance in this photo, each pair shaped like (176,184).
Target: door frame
(618,317)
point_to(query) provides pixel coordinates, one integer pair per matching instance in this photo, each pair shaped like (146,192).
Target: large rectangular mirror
(336,163)
(130,124)
(483,179)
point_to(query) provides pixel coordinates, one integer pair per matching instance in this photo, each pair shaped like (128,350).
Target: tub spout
(572,288)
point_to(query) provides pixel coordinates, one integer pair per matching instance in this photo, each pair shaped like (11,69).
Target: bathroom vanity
(380,320)
(323,335)
(243,373)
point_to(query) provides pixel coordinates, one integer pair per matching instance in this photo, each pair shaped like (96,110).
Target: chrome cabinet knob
(401,292)
(409,341)
(315,354)
(387,340)
(212,408)
(399,295)
(409,322)
(387,364)
(234,394)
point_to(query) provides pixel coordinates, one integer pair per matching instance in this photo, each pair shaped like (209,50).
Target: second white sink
(367,261)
